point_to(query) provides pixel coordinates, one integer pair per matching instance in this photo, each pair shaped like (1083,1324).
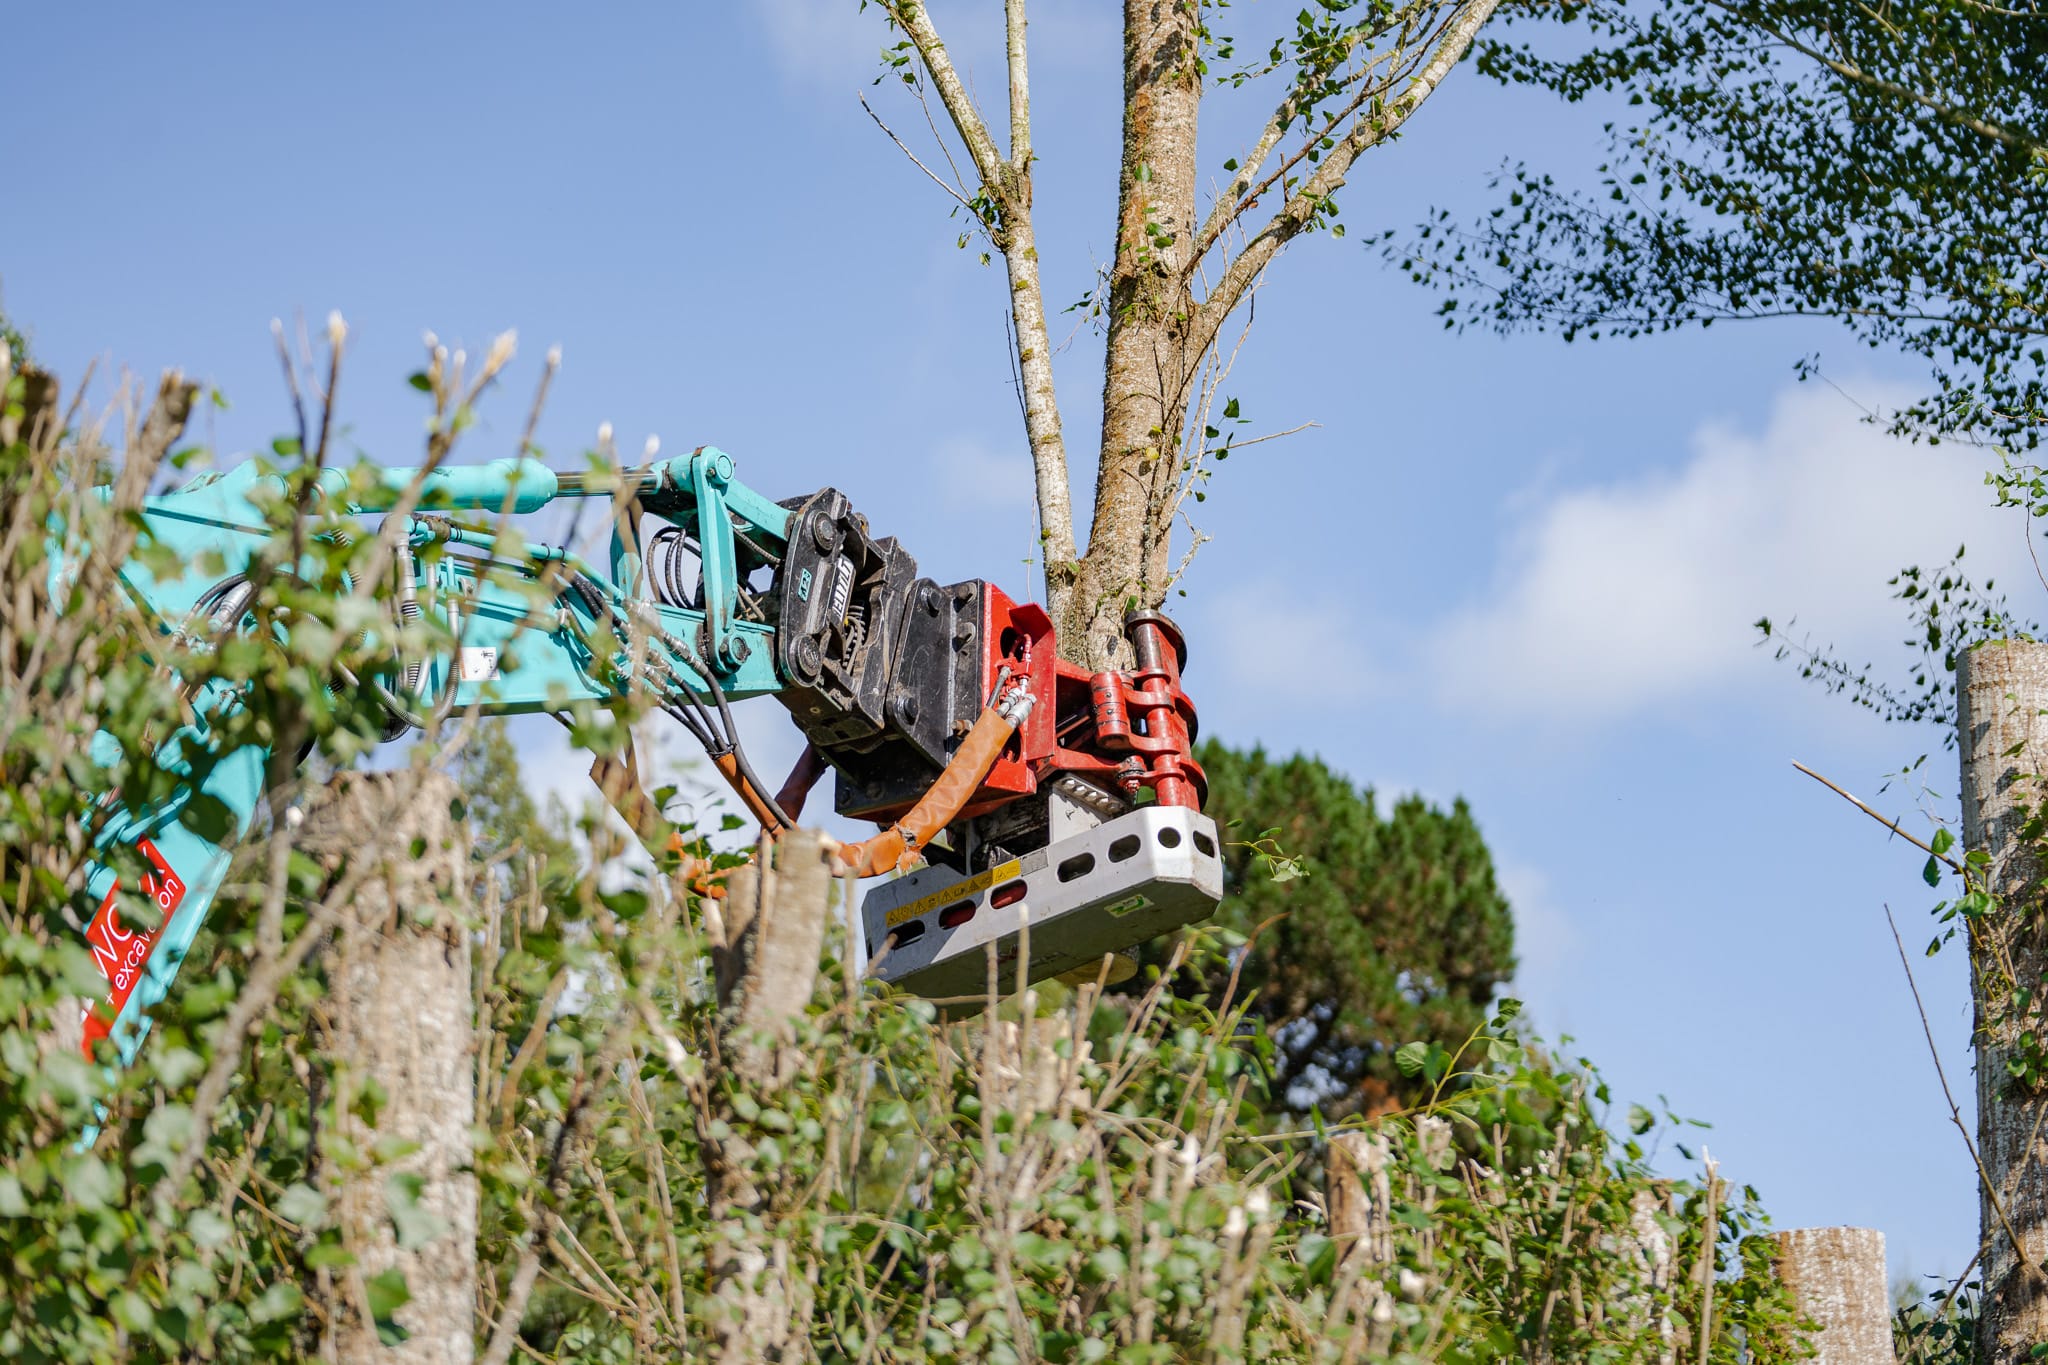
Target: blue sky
(1510,569)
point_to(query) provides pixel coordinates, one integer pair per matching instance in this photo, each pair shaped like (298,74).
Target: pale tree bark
(767,941)
(1151,356)
(2002,719)
(1002,202)
(1837,1279)
(1175,280)
(1650,1245)
(399,1016)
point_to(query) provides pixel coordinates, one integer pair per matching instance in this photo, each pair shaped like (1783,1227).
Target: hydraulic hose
(796,788)
(733,766)
(962,777)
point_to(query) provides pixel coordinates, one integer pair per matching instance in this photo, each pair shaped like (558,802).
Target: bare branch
(1370,128)
(1020,88)
(1239,195)
(967,120)
(1955,1114)
(913,155)
(1008,186)
(1275,435)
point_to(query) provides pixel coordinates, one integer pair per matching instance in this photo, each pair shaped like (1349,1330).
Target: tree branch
(1008,186)
(913,155)
(1371,128)
(952,92)
(1856,75)
(1239,196)
(1020,88)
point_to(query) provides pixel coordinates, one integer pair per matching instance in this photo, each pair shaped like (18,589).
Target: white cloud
(1643,591)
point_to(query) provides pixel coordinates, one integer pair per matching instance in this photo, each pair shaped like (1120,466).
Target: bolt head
(904,707)
(824,533)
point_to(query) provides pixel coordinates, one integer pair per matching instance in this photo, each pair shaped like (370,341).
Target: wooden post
(400,1010)
(2001,695)
(1837,1277)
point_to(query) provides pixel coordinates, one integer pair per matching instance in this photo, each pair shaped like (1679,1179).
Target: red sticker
(121,951)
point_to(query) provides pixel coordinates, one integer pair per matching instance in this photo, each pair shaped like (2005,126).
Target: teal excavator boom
(1008,785)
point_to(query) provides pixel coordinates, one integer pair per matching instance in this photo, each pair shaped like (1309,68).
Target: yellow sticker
(973,886)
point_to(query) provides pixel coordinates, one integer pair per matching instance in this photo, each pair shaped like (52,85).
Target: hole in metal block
(1080,865)
(1009,893)
(1124,849)
(1205,843)
(904,934)
(1169,837)
(957,914)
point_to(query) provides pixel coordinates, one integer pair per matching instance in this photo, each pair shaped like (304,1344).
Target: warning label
(120,950)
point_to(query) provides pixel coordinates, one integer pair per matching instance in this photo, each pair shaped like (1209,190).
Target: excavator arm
(1031,805)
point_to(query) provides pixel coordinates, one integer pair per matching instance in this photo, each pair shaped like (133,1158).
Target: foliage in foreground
(1025,1183)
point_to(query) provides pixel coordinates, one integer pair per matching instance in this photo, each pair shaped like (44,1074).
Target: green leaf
(387,1293)
(302,1204)
(1410,1057)
(414,1224)
(1931,874)
(1318,1256)
(91,1183)
(282,1300)
(1943,840)
(207,1228)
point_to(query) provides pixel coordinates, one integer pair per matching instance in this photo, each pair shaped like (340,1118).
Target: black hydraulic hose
(718,740)
(690,723)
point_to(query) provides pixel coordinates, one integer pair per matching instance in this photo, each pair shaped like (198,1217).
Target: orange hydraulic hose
(728,765)
(963,775)
(796,788)
(936,809)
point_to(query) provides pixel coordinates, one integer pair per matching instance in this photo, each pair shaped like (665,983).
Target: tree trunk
(2001,694)
(1837,1277)
(400,1009)
(1650,1245)
(766,944)
(1150,363)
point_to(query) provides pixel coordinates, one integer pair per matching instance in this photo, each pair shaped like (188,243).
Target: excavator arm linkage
(1033,805)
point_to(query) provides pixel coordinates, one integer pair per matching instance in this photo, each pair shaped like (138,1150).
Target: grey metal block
(1101,891)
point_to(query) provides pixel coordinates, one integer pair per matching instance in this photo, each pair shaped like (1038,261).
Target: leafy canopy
(1885,165)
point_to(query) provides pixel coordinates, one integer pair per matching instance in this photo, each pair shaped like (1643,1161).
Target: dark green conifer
(1397,931)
